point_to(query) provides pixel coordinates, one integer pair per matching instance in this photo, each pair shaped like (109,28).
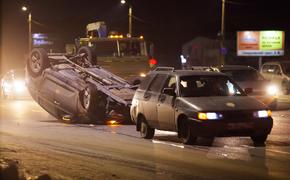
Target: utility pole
(222,61)
(130,19)
(29,33)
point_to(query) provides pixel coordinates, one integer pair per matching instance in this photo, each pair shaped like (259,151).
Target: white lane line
(276,151)
(270,150)
(169,144)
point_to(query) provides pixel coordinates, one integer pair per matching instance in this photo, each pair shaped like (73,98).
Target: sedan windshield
(200,86)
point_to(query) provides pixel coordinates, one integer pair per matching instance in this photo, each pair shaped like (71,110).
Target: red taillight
(152,62)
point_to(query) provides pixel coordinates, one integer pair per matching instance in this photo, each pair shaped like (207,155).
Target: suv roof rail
(164,69)
(204,68)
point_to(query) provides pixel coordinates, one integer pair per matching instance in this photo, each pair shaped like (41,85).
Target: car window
(170,83)
(273,69)
(286,68)
(276,69)
(157,83)
(200,86)
(146,81)
(265,68)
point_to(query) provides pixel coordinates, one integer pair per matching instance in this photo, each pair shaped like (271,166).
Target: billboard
(260,43)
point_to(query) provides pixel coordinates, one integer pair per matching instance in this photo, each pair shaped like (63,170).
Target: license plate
(235,126)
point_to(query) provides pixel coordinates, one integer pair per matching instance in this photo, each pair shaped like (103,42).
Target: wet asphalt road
(42,144)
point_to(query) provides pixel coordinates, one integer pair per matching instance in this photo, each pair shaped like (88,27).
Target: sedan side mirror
(248,90)
(169,91)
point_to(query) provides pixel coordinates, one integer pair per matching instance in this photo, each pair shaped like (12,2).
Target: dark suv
(197,104)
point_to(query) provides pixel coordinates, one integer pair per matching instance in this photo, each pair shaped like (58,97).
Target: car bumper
(222,128)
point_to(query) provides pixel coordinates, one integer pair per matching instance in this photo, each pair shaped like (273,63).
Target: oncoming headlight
(262,114)
(19,85)
(272,90)
(7,86)
(209,116)
(142,74)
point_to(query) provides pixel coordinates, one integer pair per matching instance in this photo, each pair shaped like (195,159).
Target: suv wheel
(145,130)
(37,62)
(94,104)
(186,133)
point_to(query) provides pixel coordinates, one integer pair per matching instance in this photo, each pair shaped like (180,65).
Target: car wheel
(37,62)
(186,133)
(146,131)
(94,104)
(89,54)
(259,139)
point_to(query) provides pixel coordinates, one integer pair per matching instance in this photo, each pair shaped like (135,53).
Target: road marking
(276,151)
(271,150)
(170,144)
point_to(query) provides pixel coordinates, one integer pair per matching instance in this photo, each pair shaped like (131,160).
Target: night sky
(167,23)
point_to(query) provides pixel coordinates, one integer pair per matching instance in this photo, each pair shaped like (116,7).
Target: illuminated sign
(40,39)
(260,43)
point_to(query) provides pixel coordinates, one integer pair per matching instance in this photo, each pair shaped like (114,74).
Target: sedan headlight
(209,116)
(272,90)
(262,114)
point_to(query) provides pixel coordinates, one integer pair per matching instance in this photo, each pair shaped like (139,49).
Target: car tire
(259,139)
(186,133)
(146,131)
(90,54)
(94,104)
(37,62)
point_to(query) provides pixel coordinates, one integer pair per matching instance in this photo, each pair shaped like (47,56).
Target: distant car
(197,103)
(251,80)
(13,85)
(279,73)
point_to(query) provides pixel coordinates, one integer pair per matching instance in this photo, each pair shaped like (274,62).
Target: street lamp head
(123,1)
(24,8)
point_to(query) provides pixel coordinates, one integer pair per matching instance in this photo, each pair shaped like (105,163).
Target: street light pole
(129,16)
(29,33)
(29,21)
(222,33)
(130,20)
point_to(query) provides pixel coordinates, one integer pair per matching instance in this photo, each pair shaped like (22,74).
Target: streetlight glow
(123,1)
(24,8)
